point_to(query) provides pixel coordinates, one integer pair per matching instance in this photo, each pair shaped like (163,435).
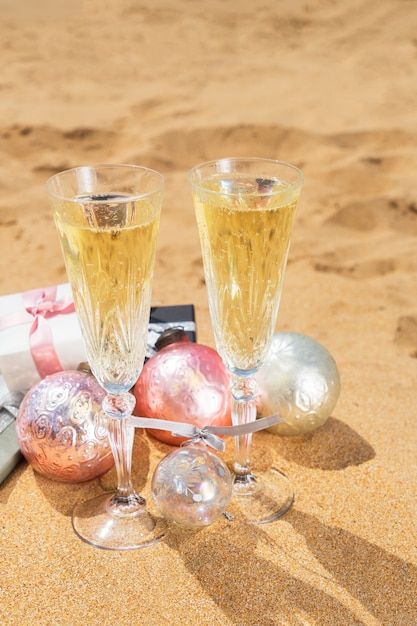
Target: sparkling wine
(109,245)
(245,239)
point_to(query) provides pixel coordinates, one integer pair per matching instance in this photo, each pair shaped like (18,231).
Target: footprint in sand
(49,150)
(397,214)
(179,150)
(406,334)
(377,249)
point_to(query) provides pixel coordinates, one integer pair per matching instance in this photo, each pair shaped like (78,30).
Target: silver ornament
(300,381)
(192,486)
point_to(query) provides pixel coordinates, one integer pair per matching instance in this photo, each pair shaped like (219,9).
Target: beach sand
(331,87)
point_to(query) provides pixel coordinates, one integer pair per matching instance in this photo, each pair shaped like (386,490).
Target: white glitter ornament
(300,381)
(192,486)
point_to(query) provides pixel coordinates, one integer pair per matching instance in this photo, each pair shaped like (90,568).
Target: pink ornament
(62,429)
(183,382)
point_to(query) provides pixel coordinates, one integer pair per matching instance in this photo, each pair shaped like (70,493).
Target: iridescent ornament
(192,486)
(62,429)
(183,382)
(300,381)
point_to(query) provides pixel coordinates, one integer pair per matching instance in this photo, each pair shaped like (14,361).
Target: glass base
(264,497)
(105,524)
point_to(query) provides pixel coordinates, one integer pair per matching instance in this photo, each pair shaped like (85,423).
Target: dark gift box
(9,446)
(165,317)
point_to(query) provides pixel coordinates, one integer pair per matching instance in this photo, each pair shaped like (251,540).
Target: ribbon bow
(40,304)
(208,434)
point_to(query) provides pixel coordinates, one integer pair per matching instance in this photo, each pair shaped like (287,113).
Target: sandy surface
(330,86)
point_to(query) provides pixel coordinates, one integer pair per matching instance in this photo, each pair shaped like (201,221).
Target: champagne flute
(245,211)
(107,218)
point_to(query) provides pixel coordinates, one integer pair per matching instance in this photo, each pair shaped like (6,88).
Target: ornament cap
(171,335)
(84,366)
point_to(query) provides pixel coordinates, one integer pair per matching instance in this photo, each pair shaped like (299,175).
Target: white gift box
(39,334)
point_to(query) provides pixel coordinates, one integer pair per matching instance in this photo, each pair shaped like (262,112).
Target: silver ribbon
(209,434)
(9,408)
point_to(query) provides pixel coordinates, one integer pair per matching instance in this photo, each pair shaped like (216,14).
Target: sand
(330,86)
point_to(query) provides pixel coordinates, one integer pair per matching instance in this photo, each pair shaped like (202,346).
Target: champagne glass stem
(261,501)
(244,391)
(121,435)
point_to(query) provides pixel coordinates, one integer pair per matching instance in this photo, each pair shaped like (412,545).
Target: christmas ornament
(183,382)
(192,486)
(300,381)
(62,429)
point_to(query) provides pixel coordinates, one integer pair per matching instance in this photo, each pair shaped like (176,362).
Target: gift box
(10,453)
(39,335)
(165,317)
(18,368)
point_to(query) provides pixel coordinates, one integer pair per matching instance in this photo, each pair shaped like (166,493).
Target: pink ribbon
(40,304)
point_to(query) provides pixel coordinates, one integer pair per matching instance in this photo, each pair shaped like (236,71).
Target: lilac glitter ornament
(62,429)
(192,486)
